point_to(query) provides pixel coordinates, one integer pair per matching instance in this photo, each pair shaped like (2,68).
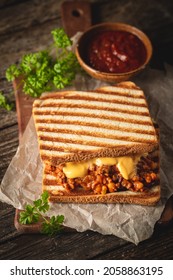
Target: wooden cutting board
(76,16)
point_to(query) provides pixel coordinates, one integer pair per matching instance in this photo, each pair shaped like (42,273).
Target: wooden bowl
(82,49)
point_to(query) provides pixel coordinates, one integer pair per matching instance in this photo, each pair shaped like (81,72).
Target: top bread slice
(79,125)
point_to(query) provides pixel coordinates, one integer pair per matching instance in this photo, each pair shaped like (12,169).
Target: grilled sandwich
(98,146)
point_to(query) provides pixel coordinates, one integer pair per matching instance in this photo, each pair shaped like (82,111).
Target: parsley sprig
(4,102)
(54,68)
(35,213)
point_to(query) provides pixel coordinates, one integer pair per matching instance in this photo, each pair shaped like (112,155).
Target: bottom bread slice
(151,197)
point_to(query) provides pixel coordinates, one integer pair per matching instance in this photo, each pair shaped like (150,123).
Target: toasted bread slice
(109,122)
(141,198)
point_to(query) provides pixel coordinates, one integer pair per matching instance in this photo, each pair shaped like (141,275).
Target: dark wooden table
(25,27)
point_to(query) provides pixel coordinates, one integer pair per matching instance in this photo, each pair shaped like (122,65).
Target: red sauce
(116,52)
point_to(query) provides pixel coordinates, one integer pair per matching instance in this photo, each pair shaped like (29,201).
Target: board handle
(76,16)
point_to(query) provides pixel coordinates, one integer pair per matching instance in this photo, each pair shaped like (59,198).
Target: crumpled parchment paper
(22,182)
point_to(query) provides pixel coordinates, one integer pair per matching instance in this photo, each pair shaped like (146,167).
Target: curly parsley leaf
(60,38)
(31,63)
(33,214)
(63,76)
(42,71)
(12,72)
(4,102)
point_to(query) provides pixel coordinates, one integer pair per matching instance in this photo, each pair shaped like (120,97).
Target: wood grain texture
(25,27)
(8,146)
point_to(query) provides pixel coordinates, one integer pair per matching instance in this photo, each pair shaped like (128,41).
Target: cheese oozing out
(125,164)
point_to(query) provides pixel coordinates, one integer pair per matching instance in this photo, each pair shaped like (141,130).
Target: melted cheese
(76,169)
(126,166)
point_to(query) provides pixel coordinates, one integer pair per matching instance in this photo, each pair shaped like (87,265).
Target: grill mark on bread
(73,146)
(111,90)
(54,137)
(120,92)
(53,102)
(77,149)
(134,110)
(122,117)
(60,138)
(124,94)
(139,128)
(114,101)
(47,145)
(97,96)
(110,134)
(87,130)
(70,150)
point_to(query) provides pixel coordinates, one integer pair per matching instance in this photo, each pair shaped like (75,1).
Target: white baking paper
(23,179)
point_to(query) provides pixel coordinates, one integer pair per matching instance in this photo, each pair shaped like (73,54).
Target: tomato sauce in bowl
(115,52)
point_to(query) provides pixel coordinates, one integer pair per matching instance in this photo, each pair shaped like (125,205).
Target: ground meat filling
(107,179)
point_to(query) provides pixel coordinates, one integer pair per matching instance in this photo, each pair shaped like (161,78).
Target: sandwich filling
(105,175)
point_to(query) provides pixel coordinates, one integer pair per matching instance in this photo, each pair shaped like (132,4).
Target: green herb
(60,38)
(34,213)
(53,226)
(12,72)
(4,102)
(43,71)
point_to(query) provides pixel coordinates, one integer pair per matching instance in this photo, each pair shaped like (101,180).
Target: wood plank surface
(25,27)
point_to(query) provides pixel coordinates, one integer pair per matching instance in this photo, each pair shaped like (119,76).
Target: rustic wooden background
(25,27)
